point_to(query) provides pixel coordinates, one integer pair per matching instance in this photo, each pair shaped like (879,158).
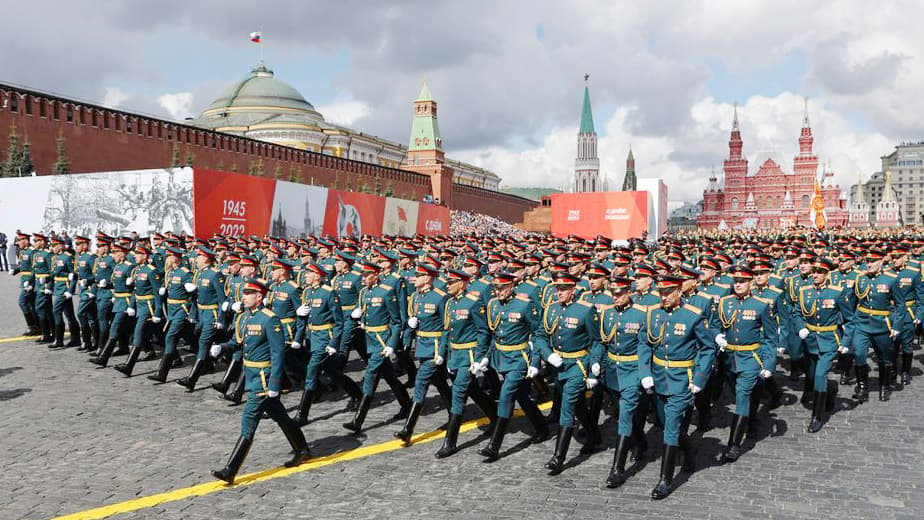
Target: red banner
(618,215)
(231,204)
(432,219)
(353,214)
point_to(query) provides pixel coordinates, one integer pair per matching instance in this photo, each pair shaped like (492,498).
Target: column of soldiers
(657,330)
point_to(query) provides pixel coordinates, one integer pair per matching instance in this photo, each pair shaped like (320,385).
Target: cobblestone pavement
(77,438)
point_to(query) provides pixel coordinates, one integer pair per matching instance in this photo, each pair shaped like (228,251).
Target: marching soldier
(86,306)
(176,291)
(746,335)
(249,266)
(26,284)
(102,277)
(910,290)
(122,302)
(284,298)
(146,282)
(41,273)
(210,293)
(261,339)
(846,276)
(675,361)
(64,286)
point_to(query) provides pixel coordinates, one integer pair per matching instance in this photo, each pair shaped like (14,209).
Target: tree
(389,190)
(175,162)
(234,167)
(190,158)
(12,167)
(293,173)
(27,167)
(277,172)
(62,165)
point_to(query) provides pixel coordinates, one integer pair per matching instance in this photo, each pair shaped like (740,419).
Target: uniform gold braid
(811,312)
(856,289)
(727,323)
(545,322)
(496,322)
(652,340)
(607,337)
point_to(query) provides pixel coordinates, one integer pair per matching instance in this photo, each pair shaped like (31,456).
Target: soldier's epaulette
(546,278)
(386,286)
(727,296)
(837,287)
(640,307)
(268,312)
(768,301)
(327,287)
(396,275)
(530,282)
(473,297)
(484,280)
(703,294)
(915,269)
(184,269)
(522,296)
(293,284)
(585,303)
(776,289)
(890,274)
(605,307)
(439,291)
(722,285)
(776,276)
(693,308)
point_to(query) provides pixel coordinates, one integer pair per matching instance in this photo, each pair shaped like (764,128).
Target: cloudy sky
(508,75)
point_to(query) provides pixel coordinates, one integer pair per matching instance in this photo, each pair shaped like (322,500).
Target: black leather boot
(411,422)
(557,462)
(103,359)
(165,364)
(540,427)
(59,336)
(484,402)
(452,437)
(87,336)
(846,368)
(190,380)
(618,472)
(735,436)
(862,392)
(356,424)
(47,332)
(300,451)
(401,395)
(234,462)
(304,407)
(907,359)
(129,365)
(818,412)
(234,369)
(238,394)
(885,391)
(491,452)
(665,485)
(74,340)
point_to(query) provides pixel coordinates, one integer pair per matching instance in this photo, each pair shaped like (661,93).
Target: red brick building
(98,139)
(766,196)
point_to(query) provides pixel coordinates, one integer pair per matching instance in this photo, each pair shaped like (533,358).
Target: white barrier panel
(298,210)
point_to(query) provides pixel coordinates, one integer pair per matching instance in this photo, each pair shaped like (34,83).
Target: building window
(105,120)
(14,103)
(42,108)
(56,111)
(734,204)
(70,114)
(83,116)
(118,123)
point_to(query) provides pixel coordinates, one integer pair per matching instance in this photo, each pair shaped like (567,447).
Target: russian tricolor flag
(255,37)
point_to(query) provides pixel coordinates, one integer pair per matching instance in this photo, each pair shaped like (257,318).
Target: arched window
(805,201)
(734,204)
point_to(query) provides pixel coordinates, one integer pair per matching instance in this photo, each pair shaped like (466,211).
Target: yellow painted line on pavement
(270,474)
(17,338)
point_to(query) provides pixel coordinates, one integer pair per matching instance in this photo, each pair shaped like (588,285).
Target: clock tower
(425,149)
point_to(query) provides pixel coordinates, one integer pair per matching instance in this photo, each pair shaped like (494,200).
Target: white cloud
(114,97)
(178,105)
(344,111)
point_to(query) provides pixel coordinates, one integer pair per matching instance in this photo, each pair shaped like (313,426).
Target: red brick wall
(508,208)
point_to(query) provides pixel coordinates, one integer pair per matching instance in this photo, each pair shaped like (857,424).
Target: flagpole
(261,47)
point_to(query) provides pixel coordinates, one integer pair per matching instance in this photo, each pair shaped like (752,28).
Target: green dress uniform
(879,310)
(180,306)
(909,289)
(41,273)
(86,303)
(64,286)
(26,299)
(259,335)
(122,300)
(347,286)
(102,278)
(466,339)
(284,298)
(147,281)
(795,345)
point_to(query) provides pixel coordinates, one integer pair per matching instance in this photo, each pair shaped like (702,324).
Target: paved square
(77,438)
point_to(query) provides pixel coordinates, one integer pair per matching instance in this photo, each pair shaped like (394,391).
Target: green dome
(261,89)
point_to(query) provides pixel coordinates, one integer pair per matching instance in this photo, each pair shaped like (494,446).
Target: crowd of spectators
(464,222)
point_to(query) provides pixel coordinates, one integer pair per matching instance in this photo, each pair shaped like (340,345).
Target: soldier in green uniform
(210,294)
(425,324)
(102,277)
(321,329)
(64,286)
(284,298)
(675,360)
(26,284)
(249,265)
(515,326)
(86,306)
(824,320)
(910,289)
(466,339)
(41,272)
(570,342)
(262,341)
(122,302)
(796,345)
(620,327)
(745,332)
(846,276)
(176,291)
(378,316)
(146,282)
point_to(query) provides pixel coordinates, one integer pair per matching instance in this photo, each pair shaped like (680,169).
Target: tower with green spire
(587,164)
(630,183)
(425,148)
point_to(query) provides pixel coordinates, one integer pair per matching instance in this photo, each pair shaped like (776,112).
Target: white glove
(591,382)
(357,313)
(67,295)
(26,286)
(91,295)
(46,290)
(647,383)
(893,334)
(162,291)
(215,350)
(236,306)
(296,345)
(721,341)
(532,372)
(438,360)
(843,349)
(129,281)
(102,283)
(388,352)
(413,322)
(917,321)
(766,374)
(555,360)
(303,310)
(265,302)
(803,333)
(781,350)
(479,367)
(81,283)
(156,319)
(190,287)
(330,350)
(218,325)
(595,369)
(130,311)
(695,389)
(70,277)
(272,394)
(224,306)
